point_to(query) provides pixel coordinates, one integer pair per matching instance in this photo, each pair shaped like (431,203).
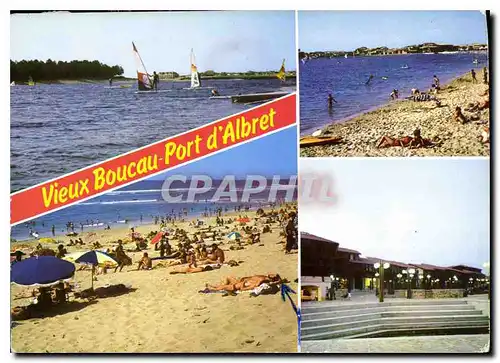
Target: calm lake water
(56,129)
(346,78)
(136,204)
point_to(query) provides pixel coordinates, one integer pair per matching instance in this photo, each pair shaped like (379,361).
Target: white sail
(195,76)
(12,83)
(345,55)
(143,80)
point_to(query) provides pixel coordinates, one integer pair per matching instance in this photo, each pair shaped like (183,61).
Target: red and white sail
(143,80)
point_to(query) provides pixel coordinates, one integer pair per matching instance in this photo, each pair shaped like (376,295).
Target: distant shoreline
(177,79)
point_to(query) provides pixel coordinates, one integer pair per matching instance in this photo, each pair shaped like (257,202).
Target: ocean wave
(120,202)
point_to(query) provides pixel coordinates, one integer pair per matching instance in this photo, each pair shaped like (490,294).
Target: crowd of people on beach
(416,140)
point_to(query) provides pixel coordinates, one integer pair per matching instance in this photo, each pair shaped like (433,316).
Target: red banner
(152,159)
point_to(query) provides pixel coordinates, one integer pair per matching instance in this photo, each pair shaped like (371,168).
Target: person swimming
(215,93)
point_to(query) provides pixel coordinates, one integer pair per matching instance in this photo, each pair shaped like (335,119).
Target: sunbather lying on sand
(233,284)
(413,142)
(478,106)
(190,270)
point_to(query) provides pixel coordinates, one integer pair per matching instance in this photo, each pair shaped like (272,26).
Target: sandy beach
(166,313)
(400,118)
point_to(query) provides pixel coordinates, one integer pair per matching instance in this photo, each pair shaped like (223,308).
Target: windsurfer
(156,80)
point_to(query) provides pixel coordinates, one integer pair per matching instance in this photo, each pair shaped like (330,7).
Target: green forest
(52,71)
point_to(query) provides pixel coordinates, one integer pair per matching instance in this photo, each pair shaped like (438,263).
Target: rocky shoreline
(361,134)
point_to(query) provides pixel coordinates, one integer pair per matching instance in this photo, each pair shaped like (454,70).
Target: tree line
(51,70)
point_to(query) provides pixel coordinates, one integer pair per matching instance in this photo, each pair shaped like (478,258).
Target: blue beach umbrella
(234,235)
(41,271)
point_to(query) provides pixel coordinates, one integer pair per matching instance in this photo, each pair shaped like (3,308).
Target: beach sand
(166,313)
(401,118)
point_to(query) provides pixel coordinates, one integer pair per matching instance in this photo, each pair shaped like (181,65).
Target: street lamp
(411,273)
(380,274)
(332,288)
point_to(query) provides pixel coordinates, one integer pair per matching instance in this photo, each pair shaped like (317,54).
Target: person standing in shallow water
(436,81)
(473,74)
(331,100)
(485,75)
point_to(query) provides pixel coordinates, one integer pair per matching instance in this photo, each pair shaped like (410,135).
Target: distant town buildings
(425,48)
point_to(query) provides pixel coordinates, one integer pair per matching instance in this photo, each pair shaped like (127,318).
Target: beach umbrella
(73,256)
(243,220)
(47,240)
(234,235)
(41,271)
(95,258)
(157,238)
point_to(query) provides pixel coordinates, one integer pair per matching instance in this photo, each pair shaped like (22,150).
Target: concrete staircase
(331,320)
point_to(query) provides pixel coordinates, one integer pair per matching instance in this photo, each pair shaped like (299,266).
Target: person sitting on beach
(43,298)
(59,295)
(61,251)
(415,91)
(145,263)
(485,136)
(473,75)
(232,284)
(216,255)
(459,116)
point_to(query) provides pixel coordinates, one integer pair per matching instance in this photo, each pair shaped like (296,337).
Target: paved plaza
(477,343)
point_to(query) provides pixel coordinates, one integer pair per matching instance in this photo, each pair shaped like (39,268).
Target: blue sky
(348,30)
(275,154)
(222,41)
(383,201)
